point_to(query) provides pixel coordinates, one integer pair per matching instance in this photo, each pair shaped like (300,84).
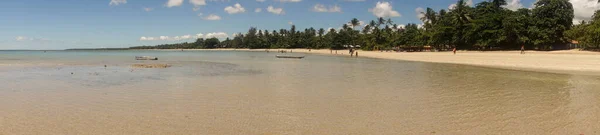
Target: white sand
(569,61)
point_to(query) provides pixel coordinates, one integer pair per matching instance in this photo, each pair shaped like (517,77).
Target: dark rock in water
(145,58)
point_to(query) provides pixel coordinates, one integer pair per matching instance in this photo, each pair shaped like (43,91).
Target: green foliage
(587,33)
(487,25)
(551,18)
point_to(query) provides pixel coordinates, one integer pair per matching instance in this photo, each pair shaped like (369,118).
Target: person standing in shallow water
(522,49)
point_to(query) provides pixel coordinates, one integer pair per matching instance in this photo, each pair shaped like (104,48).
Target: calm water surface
(254,93)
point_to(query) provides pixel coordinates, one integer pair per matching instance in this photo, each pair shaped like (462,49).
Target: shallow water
(254,93)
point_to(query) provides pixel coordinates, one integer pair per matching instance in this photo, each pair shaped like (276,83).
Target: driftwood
(289,57)
(145,58)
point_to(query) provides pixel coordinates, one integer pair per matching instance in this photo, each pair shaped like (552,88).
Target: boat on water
(145,58)
(289,57)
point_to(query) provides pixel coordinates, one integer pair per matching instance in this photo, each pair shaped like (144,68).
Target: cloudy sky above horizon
(61,24)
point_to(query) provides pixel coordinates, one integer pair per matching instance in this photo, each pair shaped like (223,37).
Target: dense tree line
(587,33)
(487,25)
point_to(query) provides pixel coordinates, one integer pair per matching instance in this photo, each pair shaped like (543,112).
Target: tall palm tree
(366,29)
(373,24)
(380,21)
(460,17)
(354,23)
(345,27)
(321,32)
(431,15)
(389,21)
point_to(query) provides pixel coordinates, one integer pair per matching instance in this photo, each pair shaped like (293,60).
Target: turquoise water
(228,92)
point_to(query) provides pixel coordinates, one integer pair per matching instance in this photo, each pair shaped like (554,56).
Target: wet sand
(256,93)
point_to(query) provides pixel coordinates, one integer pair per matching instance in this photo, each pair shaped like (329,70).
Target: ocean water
(227,92)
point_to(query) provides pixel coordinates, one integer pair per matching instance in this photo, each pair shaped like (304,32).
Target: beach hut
(573,44)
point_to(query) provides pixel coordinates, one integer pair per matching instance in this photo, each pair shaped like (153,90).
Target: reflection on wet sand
(254,93)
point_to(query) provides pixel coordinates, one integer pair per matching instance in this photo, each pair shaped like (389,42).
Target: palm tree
(431,16)
(321,33)
(366,29)
(345,27)
(389,21)
(373,24)
(354,23)
(460,18)
(380,21)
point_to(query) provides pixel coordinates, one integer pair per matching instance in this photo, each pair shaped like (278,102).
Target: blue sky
(61,24)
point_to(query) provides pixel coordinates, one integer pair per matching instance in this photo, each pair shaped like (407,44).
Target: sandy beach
(566,61)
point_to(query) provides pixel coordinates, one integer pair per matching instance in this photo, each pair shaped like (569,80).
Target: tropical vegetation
(485,26)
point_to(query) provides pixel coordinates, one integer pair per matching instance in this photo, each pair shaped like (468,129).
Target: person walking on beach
(522,49)
(454,50)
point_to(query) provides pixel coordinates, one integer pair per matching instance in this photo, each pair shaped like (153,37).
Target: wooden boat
(145,58)
(289,57)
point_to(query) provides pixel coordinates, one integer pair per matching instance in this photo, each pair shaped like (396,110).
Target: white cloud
(197,3)
(384,9)
(260,0)
(237,8)
(514,5)
(200,14)
(178,38)
(117,2)
(323,8)
(258,10)
(401,26)
(216,35)
(147,38)
(420,12)
(277,11)
(452,6)
(212,17)
(584,9)
(291,23)
(288,0)
(148,9)
(164,38)
(22,38)
(174,3)
(354,0)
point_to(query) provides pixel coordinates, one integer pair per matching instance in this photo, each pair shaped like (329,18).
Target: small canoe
(289,57)
(145,58)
